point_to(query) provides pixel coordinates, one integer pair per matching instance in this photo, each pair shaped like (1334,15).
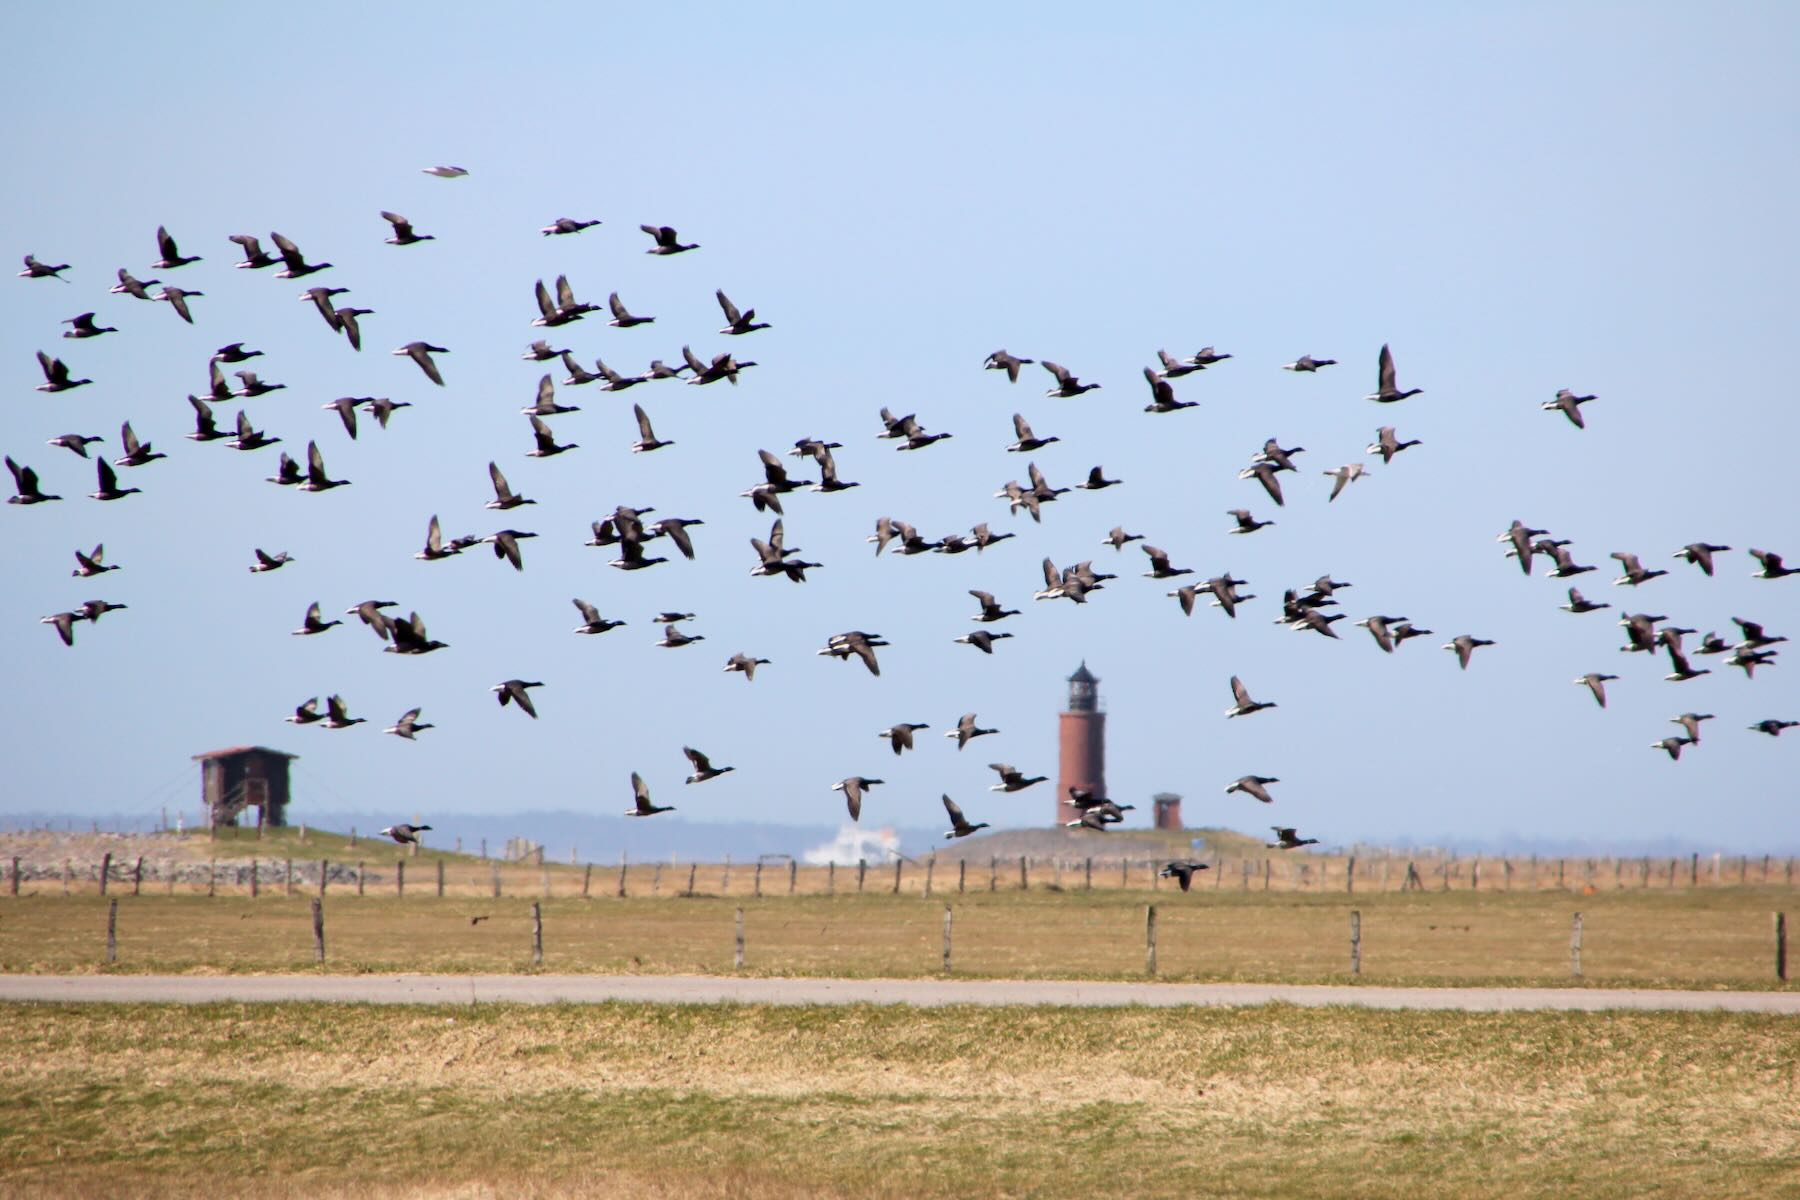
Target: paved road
(703,989)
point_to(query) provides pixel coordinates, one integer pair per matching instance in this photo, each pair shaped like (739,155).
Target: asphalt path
(923,993)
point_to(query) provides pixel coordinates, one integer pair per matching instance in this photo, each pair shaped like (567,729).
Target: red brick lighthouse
(1081,761)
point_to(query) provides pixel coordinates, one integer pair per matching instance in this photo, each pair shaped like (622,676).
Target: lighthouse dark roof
(231,751)
(1083,675)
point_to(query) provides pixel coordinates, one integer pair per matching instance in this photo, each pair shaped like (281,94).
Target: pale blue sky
(1530,197)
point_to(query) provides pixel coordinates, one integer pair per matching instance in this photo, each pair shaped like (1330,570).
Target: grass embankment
(325,1101)
(1688,938)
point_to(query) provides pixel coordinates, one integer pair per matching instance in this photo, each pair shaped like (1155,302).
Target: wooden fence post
(399,877)
(725,879)
(898,862)
(287,877)
(440,878)
(544,880)
(1350,875)
(137,876)
(112,930)
(495,869)
(1268,871)
(1149,939)
(757,889)
(656,880)
(793,875)
(962,874)
(623,867)
(1475,874)
(1781,946)
(1694,870)
(255,880)
(318,916)
(947,940)
(15,875)
(738,959)
(1087,875)
(324,873)
(361,875)
(831,879)
(1575,947)
(993,873)
(212,876)
(1355,942)
(537,935)
(1124,872)
(862,869)
(692,867)
(105,870)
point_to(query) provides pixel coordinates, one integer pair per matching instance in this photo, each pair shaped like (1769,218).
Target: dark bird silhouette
(982,640)
(316,478)
(1245,522)
(39,270)
(1182,872)
(1027,441)
(404,234)
(335,715)
(1162,395)
(591,620)
(647,439)
(1595,682)
(1012,779)
(90,565)
(1465,645)
(268,562)
(56,375)
(563,226)
(131,285)
(506,545)
(1387,445)
(421,352)
(853,789)
(1288,838)
(1569,405)
(321,299)
(408,725)
(703,768)
(445,172)
(1242,705)
(314,623)
(1308,363)
(1581,604)
(959,824)
(65,625)
(622,316)
(512,691)
(1000,360)
(306,714)
(667,240)
(1701,554)
(82,326)
(296,266)
(1772,726)
(1067,385)
(1772,567)
(170,254)
(862,645)
(640,796)
(1635,573)
(737,323)
(1386,390)
(109,488)
(76,443)
(1264,473)
(255,258)
(1672,746)
(1254,785)
(410,637)
(966,730)
(1691,722)
(745,665)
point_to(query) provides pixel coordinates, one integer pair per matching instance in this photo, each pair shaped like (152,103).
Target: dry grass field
(624,1100)
(1690,938)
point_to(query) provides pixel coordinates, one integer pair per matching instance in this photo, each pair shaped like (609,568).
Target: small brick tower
(1081,761)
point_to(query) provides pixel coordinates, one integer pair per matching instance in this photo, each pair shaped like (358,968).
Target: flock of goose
(629,532)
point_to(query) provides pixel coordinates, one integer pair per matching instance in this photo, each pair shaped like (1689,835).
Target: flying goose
(1680,671)
(369,611)
(959,824)
(1092,818)
(1520,535)
(966,730)
(109,488)
(1012,779)
(853,789)
(1635,573)
(381,408)
(1159,564)
(65,625)
(410,637)
(267,562)
(1464,645)
(316,479)
(345,408)
(320,298)
(1288,838)
(745,665)
(1772,567)
(403,833)
(39,270)
(506,545)
(1017,498)
(421,352)
(1027,441)
(1000,360)
(1640,632)
(89,565)
(982,538)
(622,316)
(1690,721)
(591,620)
(1566,566)
(1749,660)
(541,352)
(828,476)
(1569,405)
(1772,726)
(667,241)
(131,285)
(1242,704)
(512,691)
(563,226)
(56,375)
(1345,475)
(546,443)
(1206,356)
(1581,604)
(900,736)
(1700,554)
(981,639)
(546,404)
(640,794)
(1162,395)
(1254,785)
(75,442)
(658,370)
(1595,682)
(1264,473)
(1672,745)
(1182,872)
(306,714)
(723,366)
(504,497)
(406,727)
(1405,630)
(843,645)
(990,609)
(1386,391)
(1754,637)
(445,172)
(313,623)
(1712,643)
(1097,480)
(255,257)
(435,548)
(703,768)
(335,715)
(347,323)
(1386,445)
(1245,523)
(673,638)
(1276,456)
(171,255)
(1307,362)
(561,310)
(1067,385)
(737,323)
(647,439)
(1381,629)
(296,266)
(252,387)
(82,326)
(403,231)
